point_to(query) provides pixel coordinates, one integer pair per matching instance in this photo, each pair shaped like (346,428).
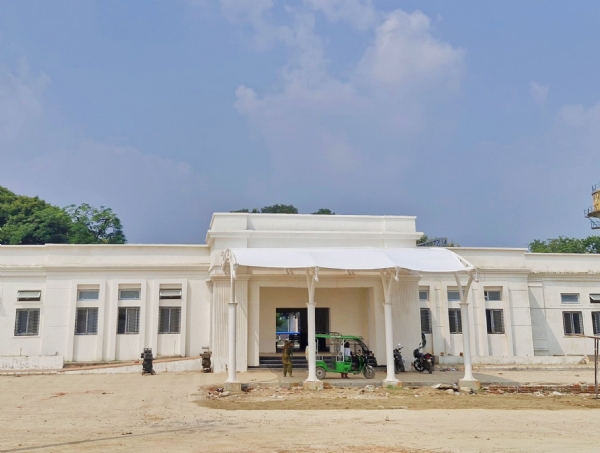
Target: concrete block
(470,383)
(396,384)
(312,385)
(232,387)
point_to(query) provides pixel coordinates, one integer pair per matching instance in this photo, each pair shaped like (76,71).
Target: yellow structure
(596,202)
(593,212)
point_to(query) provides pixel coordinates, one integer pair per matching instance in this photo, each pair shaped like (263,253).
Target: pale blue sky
(480,118)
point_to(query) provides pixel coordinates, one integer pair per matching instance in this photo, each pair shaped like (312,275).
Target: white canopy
(354,259)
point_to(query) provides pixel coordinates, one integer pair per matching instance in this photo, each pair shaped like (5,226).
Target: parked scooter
(423,360)
(398,360)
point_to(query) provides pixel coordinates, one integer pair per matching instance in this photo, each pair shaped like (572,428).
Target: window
(573,322)
(87,294)
(596,322)
(170,294)
(453,295)
(86,322)
(129,320)
(595,298)
(423,295)
(569,298)
(170,320)
(455,320)
(129,294)
(27,322)
(495,321)
(492,295)
(425,320)
(29,296)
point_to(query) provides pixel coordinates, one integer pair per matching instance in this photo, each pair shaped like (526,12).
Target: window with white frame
(169,320)
(596,322)
(86,322)
(425,320)
(87,294)
(129,294)
(453,295)
(170,294)
(569,298)
(495,321)
(423,295)
(492,295)
(595,298)
(455,320)
(573,322)
(29,296)
(129,320)
(27,322)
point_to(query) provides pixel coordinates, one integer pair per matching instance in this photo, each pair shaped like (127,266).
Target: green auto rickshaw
(355,363)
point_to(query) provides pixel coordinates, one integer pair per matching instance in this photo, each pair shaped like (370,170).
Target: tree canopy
(563,244)
(94,226)
(424,239)
(324,211)
(32,221)
(282,209)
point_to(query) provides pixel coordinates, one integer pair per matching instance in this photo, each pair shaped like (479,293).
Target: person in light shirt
(347,353)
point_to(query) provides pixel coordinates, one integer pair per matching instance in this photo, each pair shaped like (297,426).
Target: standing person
(347,353)
(286,357)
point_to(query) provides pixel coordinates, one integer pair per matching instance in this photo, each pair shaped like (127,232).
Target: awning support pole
(389,332)
(232,384)
(311,381)
(468,380)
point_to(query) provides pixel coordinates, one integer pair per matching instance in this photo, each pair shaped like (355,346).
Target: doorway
(297,319)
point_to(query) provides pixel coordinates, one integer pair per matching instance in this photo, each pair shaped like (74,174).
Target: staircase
(274,361)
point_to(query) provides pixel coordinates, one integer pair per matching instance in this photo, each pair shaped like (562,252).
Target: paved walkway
(414,378)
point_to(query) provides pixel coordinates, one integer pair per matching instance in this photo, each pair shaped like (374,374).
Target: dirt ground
(175,412)
(373,398)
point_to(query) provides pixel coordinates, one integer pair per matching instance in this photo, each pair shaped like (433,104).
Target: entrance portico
(398,270)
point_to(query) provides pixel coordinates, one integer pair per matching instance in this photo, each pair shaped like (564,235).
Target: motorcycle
(423,360)
(398,360)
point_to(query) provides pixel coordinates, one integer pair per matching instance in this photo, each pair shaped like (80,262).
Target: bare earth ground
(175,412)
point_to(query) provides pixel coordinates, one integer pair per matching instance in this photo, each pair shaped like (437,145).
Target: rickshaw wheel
(369,372)
(321,373)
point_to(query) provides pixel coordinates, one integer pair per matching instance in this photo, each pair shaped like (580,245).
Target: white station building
(358,275)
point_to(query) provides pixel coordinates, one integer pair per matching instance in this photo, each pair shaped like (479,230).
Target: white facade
(530,317)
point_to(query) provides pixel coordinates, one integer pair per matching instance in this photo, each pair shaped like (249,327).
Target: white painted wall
(531,287)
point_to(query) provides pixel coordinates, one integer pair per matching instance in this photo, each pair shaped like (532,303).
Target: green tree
(94,225)
(275,209)
(564,244)
(279,209)
(324,211)
(425,238)
(29,220)
(49,225)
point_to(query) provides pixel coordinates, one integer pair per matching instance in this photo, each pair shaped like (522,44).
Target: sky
(482,119)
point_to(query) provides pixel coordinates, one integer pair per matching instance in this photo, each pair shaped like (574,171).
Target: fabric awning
(353,259)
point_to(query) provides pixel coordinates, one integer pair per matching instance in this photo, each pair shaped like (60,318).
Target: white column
(468,380)
(232,324)
(311,380)
(389,331)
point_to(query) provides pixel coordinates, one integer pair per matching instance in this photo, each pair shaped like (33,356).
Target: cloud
(405,56)
(361,14)
(20,100)
(538,92)
(578,128)
(334,128)
(151,194)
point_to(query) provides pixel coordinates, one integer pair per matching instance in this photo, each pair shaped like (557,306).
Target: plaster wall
(348,310)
